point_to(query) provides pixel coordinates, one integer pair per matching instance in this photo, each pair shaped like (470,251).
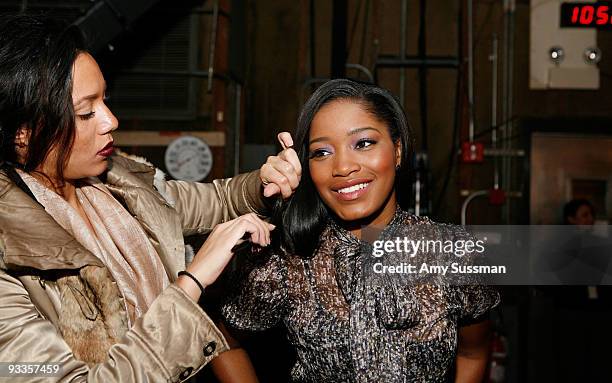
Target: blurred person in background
(579,212)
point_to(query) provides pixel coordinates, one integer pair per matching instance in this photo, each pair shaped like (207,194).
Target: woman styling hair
(354,144)
(90,249)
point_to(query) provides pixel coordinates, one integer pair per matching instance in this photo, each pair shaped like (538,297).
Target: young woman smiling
(354,146)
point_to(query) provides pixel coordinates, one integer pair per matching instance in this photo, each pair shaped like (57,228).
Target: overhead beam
(107,19)
(164,138)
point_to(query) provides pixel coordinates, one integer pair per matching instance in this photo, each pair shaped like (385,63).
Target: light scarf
(118,240)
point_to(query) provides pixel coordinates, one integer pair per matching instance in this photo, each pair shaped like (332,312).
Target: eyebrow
(351,133)
(88,98)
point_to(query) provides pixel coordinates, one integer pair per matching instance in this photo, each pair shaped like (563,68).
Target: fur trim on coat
(104,319)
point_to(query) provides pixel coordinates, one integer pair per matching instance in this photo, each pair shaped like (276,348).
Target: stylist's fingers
(274,180)
(216,251)
(271,189)
(287,170)
(281,173)
(240,227)
(289,155)
(263,228)
(285,139)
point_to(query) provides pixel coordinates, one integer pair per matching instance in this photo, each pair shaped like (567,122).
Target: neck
(381,218)
(68,192)
(64,188)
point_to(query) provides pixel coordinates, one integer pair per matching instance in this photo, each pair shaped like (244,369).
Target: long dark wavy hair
(36,59)
(303,216)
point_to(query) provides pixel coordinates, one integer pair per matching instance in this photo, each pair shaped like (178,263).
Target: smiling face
(94,122)
(352,163)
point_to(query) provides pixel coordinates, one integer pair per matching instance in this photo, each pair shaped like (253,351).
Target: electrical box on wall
(563,44)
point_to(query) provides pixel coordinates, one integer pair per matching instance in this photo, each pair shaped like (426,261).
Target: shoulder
(425,226)
(5,182)
(403,218)
(411,219)
(122,162)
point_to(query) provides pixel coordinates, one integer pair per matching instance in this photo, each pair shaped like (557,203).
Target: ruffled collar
(345,236)
(348,251)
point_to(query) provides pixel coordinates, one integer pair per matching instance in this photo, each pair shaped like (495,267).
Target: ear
(398,154)
(22,140)
(22,137)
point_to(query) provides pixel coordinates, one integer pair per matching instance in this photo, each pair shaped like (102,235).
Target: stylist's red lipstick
(108,150)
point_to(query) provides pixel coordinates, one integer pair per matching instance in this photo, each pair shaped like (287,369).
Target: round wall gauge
(188,158)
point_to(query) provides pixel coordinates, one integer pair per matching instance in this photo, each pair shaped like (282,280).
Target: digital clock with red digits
(586,15)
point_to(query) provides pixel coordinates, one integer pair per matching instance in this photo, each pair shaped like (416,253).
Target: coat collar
(30,238)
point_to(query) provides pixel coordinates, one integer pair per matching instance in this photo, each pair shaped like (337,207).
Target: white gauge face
(188,158)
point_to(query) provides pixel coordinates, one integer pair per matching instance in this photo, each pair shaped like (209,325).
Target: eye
(87,116)
(318,153)
(364,143)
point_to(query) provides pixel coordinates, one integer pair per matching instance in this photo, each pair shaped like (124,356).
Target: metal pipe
(199,10)
(213,44)
(508,194)
(309,83)
(354,27)
(364,31)
(417,195)
(510,101)
(171,73)
(493,59)
(504,117)
(504,152)
(423,73)
(415,61)
(319,80)
(237,126)
(362,69)
(468,200)
(339,31)
(313,40)
(402,74)
(470,47)
(501,152)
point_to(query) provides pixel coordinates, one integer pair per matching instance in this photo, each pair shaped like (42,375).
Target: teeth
(353,188)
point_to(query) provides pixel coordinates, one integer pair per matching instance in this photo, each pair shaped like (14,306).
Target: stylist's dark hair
(36,60)
(304,215)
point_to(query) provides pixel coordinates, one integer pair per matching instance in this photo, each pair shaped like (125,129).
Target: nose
(344,163)
(108,122)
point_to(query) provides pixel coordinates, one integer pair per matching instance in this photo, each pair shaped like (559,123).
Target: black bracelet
(188,274)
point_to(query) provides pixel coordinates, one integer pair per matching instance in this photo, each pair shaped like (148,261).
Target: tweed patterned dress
(346,327)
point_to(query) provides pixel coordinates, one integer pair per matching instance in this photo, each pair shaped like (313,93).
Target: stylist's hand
(281,173)
(216,252)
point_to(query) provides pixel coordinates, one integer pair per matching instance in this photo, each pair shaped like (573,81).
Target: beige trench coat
(59,304)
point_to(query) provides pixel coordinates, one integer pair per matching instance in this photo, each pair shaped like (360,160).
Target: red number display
(602,15)
(586,15)
(575,13)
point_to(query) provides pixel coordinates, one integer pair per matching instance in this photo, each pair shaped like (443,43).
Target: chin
(100,170)
(354,213)
(96,169)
